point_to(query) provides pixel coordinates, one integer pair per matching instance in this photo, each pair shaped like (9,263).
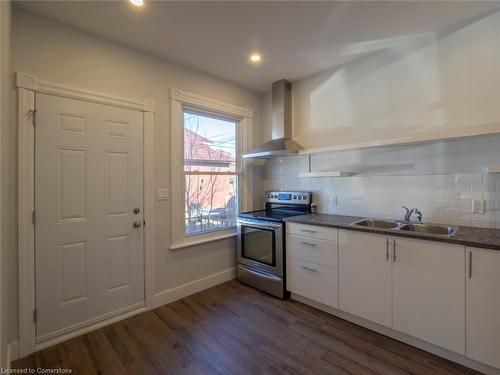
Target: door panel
(428,292)
(116,183)
(483,306)
(365,276)
(88,180)
(71,182)
(73,279)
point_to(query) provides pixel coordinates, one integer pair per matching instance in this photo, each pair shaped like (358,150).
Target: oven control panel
(290,197)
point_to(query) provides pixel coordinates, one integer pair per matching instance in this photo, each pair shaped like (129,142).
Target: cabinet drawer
(318,283)
(312,250)
(312,231)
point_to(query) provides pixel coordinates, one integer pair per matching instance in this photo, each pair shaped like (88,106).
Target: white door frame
(27,87)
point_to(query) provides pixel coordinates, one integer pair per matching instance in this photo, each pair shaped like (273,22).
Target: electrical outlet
(478,206)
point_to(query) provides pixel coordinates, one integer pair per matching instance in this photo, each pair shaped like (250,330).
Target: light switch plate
(162,194)
(478,206)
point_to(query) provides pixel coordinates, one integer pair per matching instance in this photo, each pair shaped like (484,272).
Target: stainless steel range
(261,240)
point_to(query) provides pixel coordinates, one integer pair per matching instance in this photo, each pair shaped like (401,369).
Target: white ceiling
(296,39)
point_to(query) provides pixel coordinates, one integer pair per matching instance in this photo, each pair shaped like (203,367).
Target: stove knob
(304,197)
(295,197)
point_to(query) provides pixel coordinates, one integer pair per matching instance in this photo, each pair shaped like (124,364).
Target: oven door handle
(259,224)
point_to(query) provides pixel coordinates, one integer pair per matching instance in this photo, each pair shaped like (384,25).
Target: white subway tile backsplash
(483,223)
(475,195)
(461,203)
(419,188)
(439,187)
(482,186)
(449,212)
(443,198)
(429,179)
(387,179)
(446,178)
(410,179)
(470,177)
(460,187)
(490,204)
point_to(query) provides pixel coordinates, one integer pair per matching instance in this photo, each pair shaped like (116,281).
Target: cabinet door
(316,282)
(365,276)
(483,306)
(429,292)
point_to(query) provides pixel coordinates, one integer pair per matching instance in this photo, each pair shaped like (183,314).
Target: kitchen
(335,211)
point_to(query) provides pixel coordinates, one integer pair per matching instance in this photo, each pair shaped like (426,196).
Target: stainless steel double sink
(430,229)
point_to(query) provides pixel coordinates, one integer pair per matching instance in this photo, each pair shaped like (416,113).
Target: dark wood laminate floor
(233,329)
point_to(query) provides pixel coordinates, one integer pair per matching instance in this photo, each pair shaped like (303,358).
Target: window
(210,173)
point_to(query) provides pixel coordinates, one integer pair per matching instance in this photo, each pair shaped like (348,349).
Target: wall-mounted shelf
(325,174)
(310,174)
(447,134)
(493,169)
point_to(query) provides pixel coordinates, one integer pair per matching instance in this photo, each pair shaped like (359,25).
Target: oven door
(260,245)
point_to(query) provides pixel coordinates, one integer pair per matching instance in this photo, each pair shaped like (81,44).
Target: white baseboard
(181,291)
(12,353)
(396,335)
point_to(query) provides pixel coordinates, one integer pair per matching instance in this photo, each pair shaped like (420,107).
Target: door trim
(27,86)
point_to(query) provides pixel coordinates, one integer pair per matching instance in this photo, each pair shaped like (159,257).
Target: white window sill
(201,241)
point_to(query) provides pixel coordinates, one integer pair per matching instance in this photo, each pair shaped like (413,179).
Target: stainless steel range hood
(282,143)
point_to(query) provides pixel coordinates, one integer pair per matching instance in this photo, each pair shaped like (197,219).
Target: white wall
(419,83)
(5,238)
(404,85)
(56,53)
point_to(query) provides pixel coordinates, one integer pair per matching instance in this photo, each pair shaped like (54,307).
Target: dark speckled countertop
(470,236)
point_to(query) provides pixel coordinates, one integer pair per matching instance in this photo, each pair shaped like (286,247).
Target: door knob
(137,224)
(136,210)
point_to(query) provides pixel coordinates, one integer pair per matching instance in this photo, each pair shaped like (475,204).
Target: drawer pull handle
(308,231)
(308,244)
(309,269)
(470,264)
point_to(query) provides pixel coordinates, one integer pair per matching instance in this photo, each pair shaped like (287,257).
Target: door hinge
(35,315)
(33,217)
(34,116)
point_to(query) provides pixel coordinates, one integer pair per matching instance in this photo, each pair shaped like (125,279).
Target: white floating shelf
(445,134)
(493,169)
(325,174)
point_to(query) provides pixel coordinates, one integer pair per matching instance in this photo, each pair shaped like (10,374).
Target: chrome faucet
(407,214)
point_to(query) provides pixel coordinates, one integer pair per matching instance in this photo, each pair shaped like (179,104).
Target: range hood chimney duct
(282,143)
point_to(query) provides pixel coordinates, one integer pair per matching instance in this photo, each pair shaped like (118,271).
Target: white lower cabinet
(445,294)
(311,263)
(313,281)
(428,291)
(483,305)
(365,276)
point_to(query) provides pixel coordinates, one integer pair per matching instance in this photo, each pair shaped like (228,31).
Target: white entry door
(88,196)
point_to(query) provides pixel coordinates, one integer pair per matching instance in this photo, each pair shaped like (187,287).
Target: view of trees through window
(211,182)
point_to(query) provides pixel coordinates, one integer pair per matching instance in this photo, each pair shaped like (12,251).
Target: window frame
(182,101)
(237,168)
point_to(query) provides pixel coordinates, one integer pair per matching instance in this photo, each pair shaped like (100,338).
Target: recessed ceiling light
(137,3)
(255,57)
